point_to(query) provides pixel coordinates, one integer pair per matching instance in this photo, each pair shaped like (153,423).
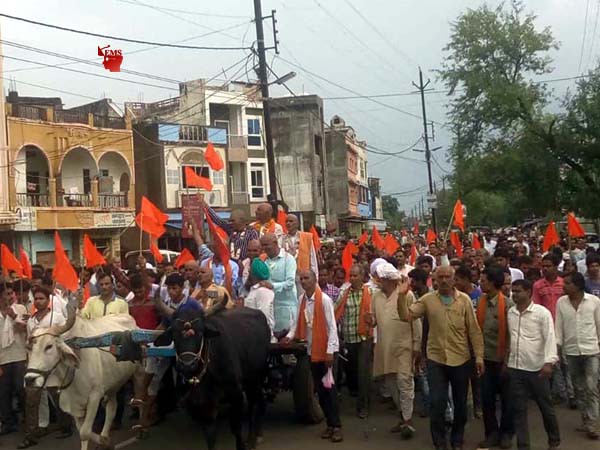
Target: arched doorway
(74,184)
(32,172)
(113,181)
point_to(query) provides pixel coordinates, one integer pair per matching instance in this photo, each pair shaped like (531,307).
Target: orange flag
(456,243)
(158,257)
(550,237)
(391,244)
(10,262)
(151,219)
(430,237)
(281,219)
(363,238)
(416,229)
(25,263)
(63,272)
(377,240)
(574,227)
(184,257)
(91,254)
(413,255)
(194,180)
(221,249)
(353,248)
(213,158)
(316,238)
(475,243)
(347,260)
(459,218)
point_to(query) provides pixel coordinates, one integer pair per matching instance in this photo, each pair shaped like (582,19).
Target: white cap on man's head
(387,271)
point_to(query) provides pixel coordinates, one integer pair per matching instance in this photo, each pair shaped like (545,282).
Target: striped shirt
(238,240)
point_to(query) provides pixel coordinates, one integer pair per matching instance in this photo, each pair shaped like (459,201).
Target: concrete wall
(296,121)
(337,167)
(116,166)
(34,163)
(71,174)
(44,242)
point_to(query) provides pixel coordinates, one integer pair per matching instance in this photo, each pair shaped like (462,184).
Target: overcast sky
(367,46)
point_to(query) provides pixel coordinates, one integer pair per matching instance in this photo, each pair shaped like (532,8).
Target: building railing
(62,116)
(50,114)
(236,141)
(30,199)
(118,200)
(74,200)
(172,132)
(239,198)
(109,122)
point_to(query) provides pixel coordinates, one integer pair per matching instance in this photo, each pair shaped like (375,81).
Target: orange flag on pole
(184,257)
(213,158)
(9,262)
(315,237)
(221,249)
(574,227)
(391,244)
(151,219)
(364,237)
(413,255)
(416,228)
(550,237)
(158,257)
(377,240)
(25,263)
(475,242)
(91,254)
(456,243)
(63,272)
(192,179)
(430,237)
(459,217)
(347,260)
(282,219)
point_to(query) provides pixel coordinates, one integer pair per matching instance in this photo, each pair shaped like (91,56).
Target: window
(103,172)
(217,177)
(172,176)
(87,181)
(257,181)
(202,171)
(254,136)
(363,169)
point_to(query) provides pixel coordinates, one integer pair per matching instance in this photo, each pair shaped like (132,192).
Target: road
(281,431)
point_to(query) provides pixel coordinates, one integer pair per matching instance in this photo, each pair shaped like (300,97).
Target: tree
(391,211)
(508,145)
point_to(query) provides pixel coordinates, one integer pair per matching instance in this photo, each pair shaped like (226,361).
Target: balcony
(74,200)
(33,200)
(191,133)
(49,114)
(239,198)
(110,201)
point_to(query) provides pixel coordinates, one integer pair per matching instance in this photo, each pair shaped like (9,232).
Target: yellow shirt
(95,307)
(451,328)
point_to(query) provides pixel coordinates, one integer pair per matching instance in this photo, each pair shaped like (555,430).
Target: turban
(387,272)
(377,262)
(259,270)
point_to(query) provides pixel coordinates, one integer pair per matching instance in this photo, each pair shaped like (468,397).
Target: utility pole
(264,85)
(422,209)
(421,87)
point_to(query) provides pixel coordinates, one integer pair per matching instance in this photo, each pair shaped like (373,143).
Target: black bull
(222,357)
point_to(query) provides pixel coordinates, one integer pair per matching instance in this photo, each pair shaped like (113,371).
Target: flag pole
(141,231)
(449,226)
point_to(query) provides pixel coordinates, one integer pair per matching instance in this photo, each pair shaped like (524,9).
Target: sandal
(27,442)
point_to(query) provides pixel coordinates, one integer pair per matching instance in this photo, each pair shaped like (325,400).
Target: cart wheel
(306,403)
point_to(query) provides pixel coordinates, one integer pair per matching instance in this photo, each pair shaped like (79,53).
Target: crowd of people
(431,332)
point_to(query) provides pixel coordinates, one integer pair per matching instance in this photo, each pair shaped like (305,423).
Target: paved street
(179,433)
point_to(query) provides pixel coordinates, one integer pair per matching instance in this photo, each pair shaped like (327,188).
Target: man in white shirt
(502,258)
(530,359)
(13,357)
(260,297)
(578,336)
(318,329)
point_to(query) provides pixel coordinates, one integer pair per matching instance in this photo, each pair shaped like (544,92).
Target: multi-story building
(297,125)
(7,217)
(172,134)
(70,170)
(347,185)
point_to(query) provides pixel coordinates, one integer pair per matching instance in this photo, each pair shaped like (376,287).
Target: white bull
(84,377)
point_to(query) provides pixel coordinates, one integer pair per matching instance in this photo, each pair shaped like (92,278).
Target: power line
(587,7)
(594,34)
(119,38)
(194,13)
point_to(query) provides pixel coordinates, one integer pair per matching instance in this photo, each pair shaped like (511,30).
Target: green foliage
(513,158)
(391,212)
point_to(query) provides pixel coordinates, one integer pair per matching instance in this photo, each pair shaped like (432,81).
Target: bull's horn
(71,316)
